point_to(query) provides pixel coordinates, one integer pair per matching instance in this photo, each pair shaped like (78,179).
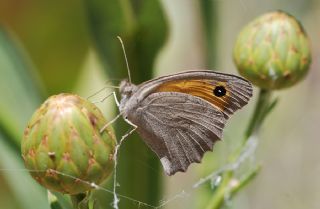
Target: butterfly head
(126,90)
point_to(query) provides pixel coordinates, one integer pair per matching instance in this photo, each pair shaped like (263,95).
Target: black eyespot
(219,91)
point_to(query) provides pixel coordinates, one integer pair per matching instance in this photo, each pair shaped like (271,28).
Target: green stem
(263,107)
(258,114)
(79,201)
(218,198)
(53,201)
(244,181)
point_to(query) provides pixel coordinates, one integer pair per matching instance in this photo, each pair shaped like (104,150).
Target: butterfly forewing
(237,91)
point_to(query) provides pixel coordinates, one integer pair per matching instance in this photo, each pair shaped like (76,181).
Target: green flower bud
(273,51)
(63,147)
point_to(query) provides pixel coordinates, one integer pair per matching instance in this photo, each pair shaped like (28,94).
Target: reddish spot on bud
(287,74)
(26,131)
(31,153)
(91,161)
(44,140)
(51,172)
(74,132)
(110,156)
(96,139)
(93,119)
(66,156)
(293,49)
(304,60)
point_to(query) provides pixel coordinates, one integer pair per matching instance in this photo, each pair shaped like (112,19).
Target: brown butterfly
(181,116)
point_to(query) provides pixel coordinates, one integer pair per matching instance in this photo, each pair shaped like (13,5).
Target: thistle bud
(273,51)
(63,147)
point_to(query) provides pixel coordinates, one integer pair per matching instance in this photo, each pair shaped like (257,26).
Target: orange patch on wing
(199,88)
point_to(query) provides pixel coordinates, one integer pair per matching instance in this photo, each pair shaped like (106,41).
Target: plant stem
(79,201)
(263,107)
(53,201)
(218,200)
(218,197)
(258,114)
(244,181)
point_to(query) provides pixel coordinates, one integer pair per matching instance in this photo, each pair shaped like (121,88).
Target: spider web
(214,179)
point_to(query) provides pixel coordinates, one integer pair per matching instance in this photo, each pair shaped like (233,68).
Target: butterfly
(181,116)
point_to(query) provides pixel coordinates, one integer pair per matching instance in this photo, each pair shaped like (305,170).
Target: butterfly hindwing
(179,128)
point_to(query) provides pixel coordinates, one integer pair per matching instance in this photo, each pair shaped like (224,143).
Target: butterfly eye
(219,91)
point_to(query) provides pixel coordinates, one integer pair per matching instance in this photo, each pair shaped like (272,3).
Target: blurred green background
(48,47)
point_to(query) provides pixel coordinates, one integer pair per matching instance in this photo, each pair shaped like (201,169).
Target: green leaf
(28,194)
(20,95)
(19,88)
(142,26)
(56,37)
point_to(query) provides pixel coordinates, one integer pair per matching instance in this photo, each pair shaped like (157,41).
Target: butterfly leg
(110,122)
(116,99)
(103,89)
(103,99)
(129,132)
(118,116)
(130,123)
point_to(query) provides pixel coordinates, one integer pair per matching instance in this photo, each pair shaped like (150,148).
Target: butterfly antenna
(125,57)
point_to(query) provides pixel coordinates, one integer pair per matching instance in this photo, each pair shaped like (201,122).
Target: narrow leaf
(27,192)
(19,88)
